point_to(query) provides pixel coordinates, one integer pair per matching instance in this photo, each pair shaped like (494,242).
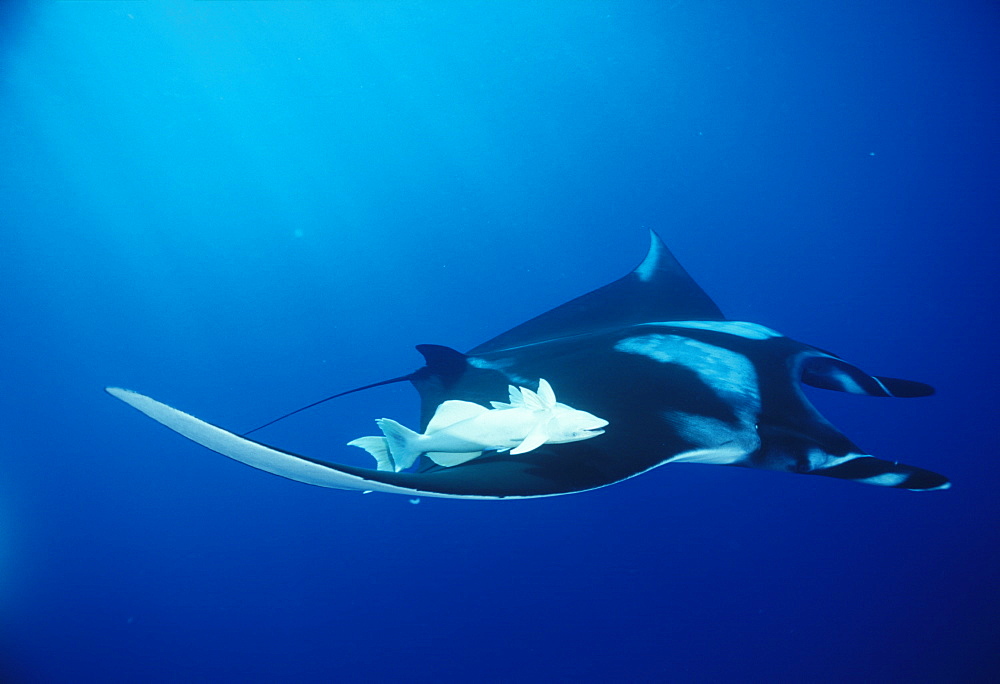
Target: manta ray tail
(402,443)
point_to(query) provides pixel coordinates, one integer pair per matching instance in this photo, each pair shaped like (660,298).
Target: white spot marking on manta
(847,383)
(750,331)
(710,456)
(882,385)
(729,373)
(819,459)
(647,268)
(946,485)
(499,365)
(722,442)
(885,479)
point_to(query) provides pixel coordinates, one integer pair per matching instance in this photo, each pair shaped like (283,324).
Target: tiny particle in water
(298,232)
(414,501)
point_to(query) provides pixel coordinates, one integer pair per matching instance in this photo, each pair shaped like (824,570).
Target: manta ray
(654,357)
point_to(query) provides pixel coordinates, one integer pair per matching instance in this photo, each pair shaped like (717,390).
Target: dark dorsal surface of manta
(650,353)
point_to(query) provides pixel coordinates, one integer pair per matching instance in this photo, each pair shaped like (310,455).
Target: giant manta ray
(653,355)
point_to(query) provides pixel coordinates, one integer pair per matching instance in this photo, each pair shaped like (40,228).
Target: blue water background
(242,207)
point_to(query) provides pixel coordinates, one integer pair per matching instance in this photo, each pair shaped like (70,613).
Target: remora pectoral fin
(536,438)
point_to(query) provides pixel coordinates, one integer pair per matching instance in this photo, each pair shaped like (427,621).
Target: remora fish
(461,431)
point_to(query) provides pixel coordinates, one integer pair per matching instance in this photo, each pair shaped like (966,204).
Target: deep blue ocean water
(242,207)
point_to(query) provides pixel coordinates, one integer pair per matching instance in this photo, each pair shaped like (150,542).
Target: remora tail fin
(378,447)
(402,442)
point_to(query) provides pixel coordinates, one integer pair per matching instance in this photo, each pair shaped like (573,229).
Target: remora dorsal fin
(658,289)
